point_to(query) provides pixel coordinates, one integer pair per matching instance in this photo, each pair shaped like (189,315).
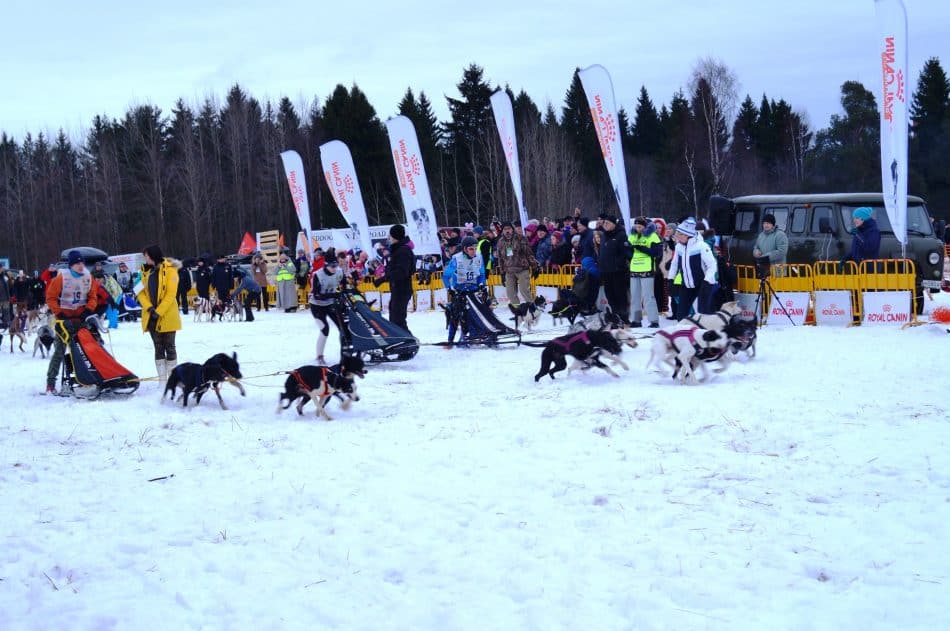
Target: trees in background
(196,178)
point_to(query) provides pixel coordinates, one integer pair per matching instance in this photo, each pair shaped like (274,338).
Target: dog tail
(171,384)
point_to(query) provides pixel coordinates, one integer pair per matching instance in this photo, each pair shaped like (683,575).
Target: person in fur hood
(157,292)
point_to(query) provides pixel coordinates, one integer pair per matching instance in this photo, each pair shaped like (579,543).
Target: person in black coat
(184,286)
(613,264)
(222,278)
(399,271)
(202,278)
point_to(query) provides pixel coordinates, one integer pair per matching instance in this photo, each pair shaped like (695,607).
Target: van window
(799,219)
(781,215)
(822,221)
(745,221)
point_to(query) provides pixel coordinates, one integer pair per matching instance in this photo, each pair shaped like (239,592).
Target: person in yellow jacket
(156,292)
(647,250)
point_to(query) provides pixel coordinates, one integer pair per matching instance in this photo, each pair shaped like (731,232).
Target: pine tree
(847,154)
(578,128)
(930,137)
(646,133)
(466,137)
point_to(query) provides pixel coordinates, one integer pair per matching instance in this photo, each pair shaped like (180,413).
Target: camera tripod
(765,289)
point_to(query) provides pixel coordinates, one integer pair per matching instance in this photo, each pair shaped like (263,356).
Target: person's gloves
(92,320)
(535,272)
(642,248)
(378,281)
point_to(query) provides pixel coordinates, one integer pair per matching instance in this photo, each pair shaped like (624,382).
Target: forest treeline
(196,178)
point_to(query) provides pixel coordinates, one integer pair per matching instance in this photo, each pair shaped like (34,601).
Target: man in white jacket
(694,261)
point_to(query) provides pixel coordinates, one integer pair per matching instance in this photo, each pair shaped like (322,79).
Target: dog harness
(690,333)
(720,314)
(303,384)
(566,344)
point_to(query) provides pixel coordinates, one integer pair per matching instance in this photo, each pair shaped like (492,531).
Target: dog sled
(367,334)
(469,313)
(89,371)
(131,309)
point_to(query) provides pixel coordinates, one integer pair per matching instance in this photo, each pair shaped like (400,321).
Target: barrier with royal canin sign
(880,291)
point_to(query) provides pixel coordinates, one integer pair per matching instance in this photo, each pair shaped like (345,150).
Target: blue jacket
(450,275)
(246,283)
(866,242)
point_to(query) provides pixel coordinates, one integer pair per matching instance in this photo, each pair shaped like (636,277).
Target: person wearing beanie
(464,273)
(399,271)
(865,236)
(695,261)
(326,284)
(397,232)
(72,298)
(647,250)
(771,243)
(516,263)
(158,295)
(613,261)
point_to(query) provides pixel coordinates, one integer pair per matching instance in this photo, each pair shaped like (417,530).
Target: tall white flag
(293,167)
(341,178)
(892,47)
(505,121)
(413,185)
(603,109)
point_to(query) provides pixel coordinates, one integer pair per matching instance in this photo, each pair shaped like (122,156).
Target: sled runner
(367,334)
(88,369)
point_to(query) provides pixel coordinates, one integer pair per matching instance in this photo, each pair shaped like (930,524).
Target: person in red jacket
(71,297)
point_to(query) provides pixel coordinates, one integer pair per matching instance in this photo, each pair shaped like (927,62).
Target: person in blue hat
(866,236)
(72,298)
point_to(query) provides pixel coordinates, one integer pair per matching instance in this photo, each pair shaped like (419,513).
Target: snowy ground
(807,488)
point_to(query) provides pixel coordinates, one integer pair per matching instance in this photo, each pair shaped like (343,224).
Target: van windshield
(918,221)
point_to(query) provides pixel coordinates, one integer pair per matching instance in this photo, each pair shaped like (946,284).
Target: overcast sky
(63,62)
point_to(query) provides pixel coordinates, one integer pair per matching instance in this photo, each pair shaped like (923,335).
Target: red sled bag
(90,371)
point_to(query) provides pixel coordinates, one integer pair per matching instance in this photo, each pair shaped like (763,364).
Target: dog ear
(234,356)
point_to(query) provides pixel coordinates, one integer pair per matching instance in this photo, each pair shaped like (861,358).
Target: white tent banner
(413,186)
(833,307)
(340,174)
(886,307)
(795,305)
(892,47)
(505,122)
(293,168)
(603,109)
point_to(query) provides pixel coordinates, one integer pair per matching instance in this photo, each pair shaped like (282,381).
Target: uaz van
(818,229)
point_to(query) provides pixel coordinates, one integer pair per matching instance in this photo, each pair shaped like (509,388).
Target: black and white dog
(198,378)
(681,347)
(565,307)
(587,348)
(528,313)
(319,383)
(45,337)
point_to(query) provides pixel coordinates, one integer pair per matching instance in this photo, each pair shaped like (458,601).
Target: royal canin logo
(886,308)
(892,80)
(833,310)
(605,127)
